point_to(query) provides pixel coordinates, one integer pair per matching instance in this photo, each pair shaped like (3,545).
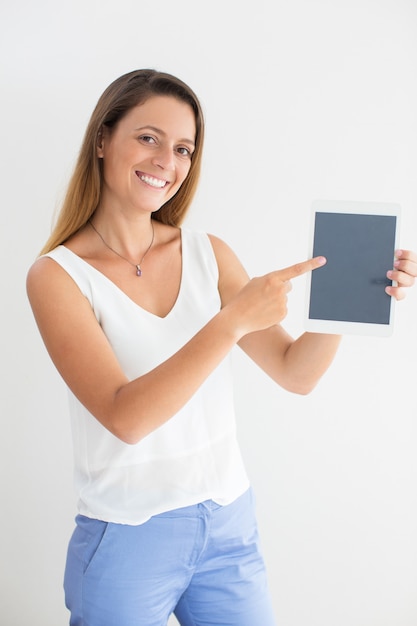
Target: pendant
(138,271)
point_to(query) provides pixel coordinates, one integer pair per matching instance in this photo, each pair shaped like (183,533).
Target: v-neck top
(195,455)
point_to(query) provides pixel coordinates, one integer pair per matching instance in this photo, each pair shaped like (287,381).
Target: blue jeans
(200,562)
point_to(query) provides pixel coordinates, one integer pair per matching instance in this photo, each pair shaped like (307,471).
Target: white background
(304,99)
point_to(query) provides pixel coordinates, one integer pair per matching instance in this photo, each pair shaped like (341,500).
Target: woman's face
(147,156)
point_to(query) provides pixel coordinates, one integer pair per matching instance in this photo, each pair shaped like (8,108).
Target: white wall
(304,99)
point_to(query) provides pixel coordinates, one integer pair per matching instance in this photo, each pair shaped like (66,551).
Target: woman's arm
(251,313)
(297,365)
(85,360)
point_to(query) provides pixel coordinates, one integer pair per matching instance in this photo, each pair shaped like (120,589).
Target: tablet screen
(350,289)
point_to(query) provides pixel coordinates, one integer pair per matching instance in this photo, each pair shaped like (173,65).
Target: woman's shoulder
(225,255)
(47,283)
(43,268)
(49,274)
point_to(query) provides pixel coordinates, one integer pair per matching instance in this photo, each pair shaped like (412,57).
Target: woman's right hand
(262,302)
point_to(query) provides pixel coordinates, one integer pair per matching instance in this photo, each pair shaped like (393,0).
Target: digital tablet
(347,295)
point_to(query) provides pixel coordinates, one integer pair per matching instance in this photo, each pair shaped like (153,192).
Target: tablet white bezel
(337,326)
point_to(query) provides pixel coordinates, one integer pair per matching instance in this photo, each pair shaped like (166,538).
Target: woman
(139,317)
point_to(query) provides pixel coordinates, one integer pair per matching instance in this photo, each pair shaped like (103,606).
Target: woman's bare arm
(296,365)
(85,360)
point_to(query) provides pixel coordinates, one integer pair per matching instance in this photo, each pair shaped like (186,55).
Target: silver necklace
(137,265)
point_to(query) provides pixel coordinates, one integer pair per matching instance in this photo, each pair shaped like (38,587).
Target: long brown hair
(84,189)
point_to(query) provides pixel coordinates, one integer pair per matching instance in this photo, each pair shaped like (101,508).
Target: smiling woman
(146,157)
(166,519)
(125,93)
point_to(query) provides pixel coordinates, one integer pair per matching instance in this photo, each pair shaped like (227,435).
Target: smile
(150,180)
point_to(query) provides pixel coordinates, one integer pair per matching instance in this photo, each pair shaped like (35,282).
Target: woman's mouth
(158,183)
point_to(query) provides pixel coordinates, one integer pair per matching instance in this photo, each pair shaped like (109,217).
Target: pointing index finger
(302,268)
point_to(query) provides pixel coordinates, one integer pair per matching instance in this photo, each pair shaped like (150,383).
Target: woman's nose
(164,158)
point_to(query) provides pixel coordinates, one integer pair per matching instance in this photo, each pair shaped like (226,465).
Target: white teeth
(154,182)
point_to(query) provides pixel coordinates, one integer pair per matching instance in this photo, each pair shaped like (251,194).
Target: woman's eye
(184,151)
(147,139)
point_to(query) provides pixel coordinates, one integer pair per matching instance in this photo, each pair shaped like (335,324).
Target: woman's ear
(100,142)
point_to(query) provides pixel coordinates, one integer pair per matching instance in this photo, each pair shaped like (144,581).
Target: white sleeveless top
(192,457)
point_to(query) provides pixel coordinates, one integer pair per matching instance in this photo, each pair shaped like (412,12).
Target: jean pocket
(96,531)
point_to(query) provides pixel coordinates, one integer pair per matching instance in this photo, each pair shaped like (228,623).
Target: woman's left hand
(404,273)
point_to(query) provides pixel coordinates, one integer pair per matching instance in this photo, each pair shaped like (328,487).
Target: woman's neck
(130,235)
